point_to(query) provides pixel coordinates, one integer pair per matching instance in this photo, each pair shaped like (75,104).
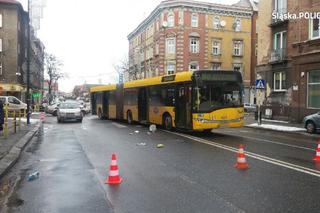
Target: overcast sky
(91,36)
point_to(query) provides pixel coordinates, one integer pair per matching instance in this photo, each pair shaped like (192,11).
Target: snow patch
(277,127)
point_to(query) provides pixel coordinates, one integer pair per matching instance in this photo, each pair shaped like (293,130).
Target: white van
(13,102)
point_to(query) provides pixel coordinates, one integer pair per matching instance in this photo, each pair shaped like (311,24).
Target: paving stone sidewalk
(13,145)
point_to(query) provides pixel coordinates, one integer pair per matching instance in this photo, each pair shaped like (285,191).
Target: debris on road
(141,144)
(153,128)
(136,131)
(160,145)
(33,176)
(130,133)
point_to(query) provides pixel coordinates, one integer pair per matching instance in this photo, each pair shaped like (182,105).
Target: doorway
(183,106)
(142,105)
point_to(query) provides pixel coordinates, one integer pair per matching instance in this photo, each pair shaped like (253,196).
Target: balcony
(278,55)
(279,16)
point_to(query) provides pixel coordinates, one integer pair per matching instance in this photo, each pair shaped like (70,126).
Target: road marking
(274,142)
(119,125)
(253,155)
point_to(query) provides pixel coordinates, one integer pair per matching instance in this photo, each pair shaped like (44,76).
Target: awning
(11,88)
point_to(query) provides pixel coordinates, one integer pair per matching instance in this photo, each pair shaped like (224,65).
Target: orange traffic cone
(241,160)
(114,177)
(317,158)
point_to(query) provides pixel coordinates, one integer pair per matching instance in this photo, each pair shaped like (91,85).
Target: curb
(8,161)
(290,132)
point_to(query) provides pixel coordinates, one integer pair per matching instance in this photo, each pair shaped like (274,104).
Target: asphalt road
(191,173)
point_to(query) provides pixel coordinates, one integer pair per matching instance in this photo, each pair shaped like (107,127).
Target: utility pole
(28,65)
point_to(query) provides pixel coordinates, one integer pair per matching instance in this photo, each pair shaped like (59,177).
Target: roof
(12,2)
(104,88)
(9,1)
(253,4)
(179,77)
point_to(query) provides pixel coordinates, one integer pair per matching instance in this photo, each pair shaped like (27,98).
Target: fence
(15,115)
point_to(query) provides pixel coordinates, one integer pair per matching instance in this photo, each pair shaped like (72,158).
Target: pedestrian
(1,116)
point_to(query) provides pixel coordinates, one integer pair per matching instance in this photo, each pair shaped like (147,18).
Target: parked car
(312,122)
(52,109)
(249,107)
(69,111)
(13,103)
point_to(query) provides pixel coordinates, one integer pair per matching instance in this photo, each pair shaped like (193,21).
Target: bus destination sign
(168,78)
(219,77)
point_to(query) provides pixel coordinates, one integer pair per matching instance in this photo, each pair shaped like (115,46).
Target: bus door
(93,103)
(105,104)
(142,105)
(183,106)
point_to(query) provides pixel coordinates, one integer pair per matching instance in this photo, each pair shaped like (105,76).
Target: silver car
(69,111)
(312,122)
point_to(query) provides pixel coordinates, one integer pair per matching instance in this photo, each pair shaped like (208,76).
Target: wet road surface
(192,173)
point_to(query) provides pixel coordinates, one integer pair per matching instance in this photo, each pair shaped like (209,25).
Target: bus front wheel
(167,122)
(129,117)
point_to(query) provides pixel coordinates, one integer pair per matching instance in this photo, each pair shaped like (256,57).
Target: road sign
(260,84)
(36,94)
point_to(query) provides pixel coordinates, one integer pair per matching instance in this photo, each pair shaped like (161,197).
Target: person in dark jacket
(1,116)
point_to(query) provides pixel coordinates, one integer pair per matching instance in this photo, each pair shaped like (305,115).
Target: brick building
(13,52)
(289,58)
(190,35)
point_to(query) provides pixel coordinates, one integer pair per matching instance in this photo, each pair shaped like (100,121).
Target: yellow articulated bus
(199,100)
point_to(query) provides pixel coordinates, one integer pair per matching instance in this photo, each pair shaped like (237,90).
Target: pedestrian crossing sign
(260,84)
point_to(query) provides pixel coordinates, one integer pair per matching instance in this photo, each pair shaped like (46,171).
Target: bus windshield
(216,95)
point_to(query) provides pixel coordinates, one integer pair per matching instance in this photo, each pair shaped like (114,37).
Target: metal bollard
(5,130)
(14,122)
(19,123)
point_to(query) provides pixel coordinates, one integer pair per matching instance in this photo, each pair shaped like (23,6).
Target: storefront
(16,90)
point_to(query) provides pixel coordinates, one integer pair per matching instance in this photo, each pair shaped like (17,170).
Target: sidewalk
(11,147)
(275,125)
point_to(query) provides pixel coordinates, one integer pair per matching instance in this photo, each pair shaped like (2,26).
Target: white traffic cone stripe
(319,146)
(114,173)
(318,154)
(113,163)
(242,160)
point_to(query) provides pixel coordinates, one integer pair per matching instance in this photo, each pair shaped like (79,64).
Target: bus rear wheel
(129,117)
(167,122)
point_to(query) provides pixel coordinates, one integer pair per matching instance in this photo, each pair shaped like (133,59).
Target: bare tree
(122,66)
(53,67)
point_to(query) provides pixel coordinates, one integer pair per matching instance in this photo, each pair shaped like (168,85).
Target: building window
(171,45)
(157,49)
(313,89)
(279,41)
(193,66)
(237,25)
(237,48)
(280,6)
(0,68)
(237,67)
(1,22)
(0,44)
(194,20)
(194,45)
(216,47)
(216,66)
(171,68)
(170,20)
(216,22)
(314,28)
(279,81)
